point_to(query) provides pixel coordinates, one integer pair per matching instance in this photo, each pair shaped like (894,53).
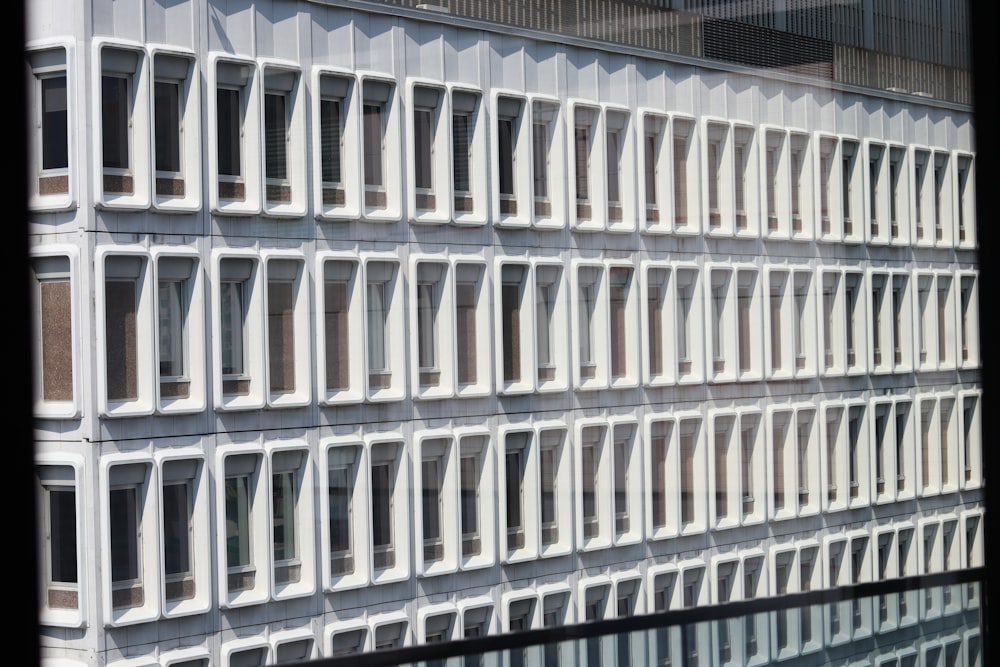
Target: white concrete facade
(361,326)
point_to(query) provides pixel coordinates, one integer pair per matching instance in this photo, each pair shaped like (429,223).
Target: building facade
(361,325)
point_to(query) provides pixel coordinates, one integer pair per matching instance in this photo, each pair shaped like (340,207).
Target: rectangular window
(921,159)
(779,441)
(723,433)
(682,139)
(281,289)
(508,127)
(968,320)
(168,113)
(511,294)
(332,114)
(965,206)
(945,324)
(125,504)
(431,480)
(384,468)
(234,296)
(468,280)
(179,479)
(688,444)
(591,442)
(833,457)
(685,322)
(714,147)
(902,419)
(546,293)
(745,321)
(720,322)
(658,342)
(826,156)
(748,457)
(462,126)
(378,293)
(940,195)
(896,157)
(286,483)
(426,102)
(515,462)
(741,163)
(173,302)
(123,286)
(550,455)
(659,443)
(945,443)
(53,317)
(924,323)
(616,157)
(797,162)
(621,464)
(587,294)
(342,478)
(772,162)
(55,140)
(338,288)
(620,283)
(775,308)
(430,283)
(233,87)
(854,320)
(848,157)
(875,190)
(240,489)
(804,456)
(582,145)
(651,149)
(50,122)
(116,116)
(276,125)
(375,111)
(882,451)
(855,456)
(470,470)
(830,288)
(59,529)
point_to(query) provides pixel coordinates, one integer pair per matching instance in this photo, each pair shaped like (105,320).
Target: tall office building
(364,324)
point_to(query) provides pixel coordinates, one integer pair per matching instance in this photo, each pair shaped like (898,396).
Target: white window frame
(899,231)
(476,120)
(254,350)
(304,519)
(720,220)
(431,97)
(138,132)
(394,347)
(40,272)
(476,441)
(690,424)
(358,521)
(522,437)
(658,276)
(190,139)
(548,111)
(333,84)
(144,402)
(626,429)
(830,227)
(688,280)
(589,212)
(944,208)
(330,269)
(851,149)
(884,448)
(683,129)
(559,351)
(436,272)
(965,201)
(50,615)
(377,445)
(241,75)
(199,531)
(511,209)
(147,521)
(968,319)
(833,490)
(776,215)
(904,415)
(657,426)
(803,223)
(525,357)
(258,509)
(833,545)
(970,444)
(286,78)
(877,194)
(555,435)
(595,282)
(438,446)
(656,219)
(383,86)
(619,120)
(596,433)
(921,168)
(193,334)
(462,267)
(47,59)
(947,318)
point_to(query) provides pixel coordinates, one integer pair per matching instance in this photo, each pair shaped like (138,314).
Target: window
(128,378)
(173,303)
(946,317)
(176,139)
(437,510)
(389,635)
(289,536)
(850,188)
(511,180)
(584,127)
(968,321)
(50,102)
(382,327)
(546,163)
(180,482)
(340,366)
(554,506)
(285,328)
(897,202)
(827,151)
(655,169)
(625,482)
(749,325)
(966,208)
(237,160)
(926,325)
(59,528)
(475,485)
(971,446)
(774,174)
(343,490)
(726,461)
(801,183)
(781,453)
(715,146)
(622,319)
(430,162)
(742,145)
(922,196)
(832,342)
(942,199)
(472,348)
(467,176)
(836,495)
(884,452)
(618,159)
(276,131)
(122,143)
(658,314)
(430,324)
(515,470)
(692,475)
(389,512)
(902,323)
(515,328)
(547,307)
(242,474)
(859,476)
(588,293)
(132,586)
(334,103)
(683,139)
(240,343)
(662,459)
(877,191)
(688,333)
(380,146)
(807,460)
(855,322)
(592,486)
(52,303)
(904,450)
